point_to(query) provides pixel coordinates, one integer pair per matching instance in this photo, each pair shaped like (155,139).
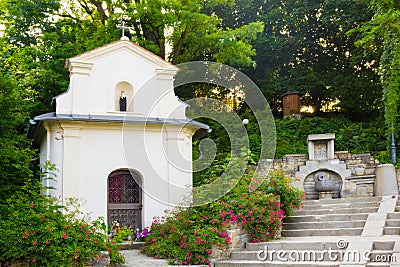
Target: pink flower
(34,243)
(32,205)
(42,217)
(64,235)
(47,243)
(34,260)
(26,234)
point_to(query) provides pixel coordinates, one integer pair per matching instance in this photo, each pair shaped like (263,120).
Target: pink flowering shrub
(290,196)
(184,237)
(187,236)
(33,229)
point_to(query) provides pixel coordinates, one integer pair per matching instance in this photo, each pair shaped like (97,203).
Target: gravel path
(134,258)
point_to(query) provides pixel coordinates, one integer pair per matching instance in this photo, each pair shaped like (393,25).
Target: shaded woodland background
(343,56)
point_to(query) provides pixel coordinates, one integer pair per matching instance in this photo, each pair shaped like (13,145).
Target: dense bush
(187,236)
(15,154)
(35,228)
(355,137)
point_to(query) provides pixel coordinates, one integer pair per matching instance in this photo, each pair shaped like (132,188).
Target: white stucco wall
(88,152)
(95,75)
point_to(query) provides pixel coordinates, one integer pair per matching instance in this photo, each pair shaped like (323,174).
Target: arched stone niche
(309,183)
(127,88)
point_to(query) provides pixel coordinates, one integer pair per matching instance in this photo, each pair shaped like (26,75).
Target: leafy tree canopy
(382,33)
(305,47)
(15,157)
(40,34)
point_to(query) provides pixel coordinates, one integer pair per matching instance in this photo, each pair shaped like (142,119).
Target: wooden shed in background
(291,103)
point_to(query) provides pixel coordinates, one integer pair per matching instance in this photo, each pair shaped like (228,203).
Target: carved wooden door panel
(124,199)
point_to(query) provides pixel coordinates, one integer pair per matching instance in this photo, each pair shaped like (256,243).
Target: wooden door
(125,199)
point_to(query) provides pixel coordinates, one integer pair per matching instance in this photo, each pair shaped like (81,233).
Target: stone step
(383,245)
(342,200)
(323,232)
(292,245)
(285,255)
(323,225)
(337,211)
(394,215)
(327,218)
(391,230)
(384,256)
(273,263)
(377,264)
(392,223)
(298,253)
(342,205)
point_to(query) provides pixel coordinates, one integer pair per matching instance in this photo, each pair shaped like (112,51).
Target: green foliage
(355,137)
(304,47)
(187,236)
(120,234)
(33,228)
(35,45)
(291,138)
(15,156)
(290,197)
(382,33)
(184,237)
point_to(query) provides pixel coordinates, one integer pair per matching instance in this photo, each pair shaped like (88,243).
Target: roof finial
(123,27)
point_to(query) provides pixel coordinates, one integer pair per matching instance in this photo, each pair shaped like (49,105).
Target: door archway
(124,199)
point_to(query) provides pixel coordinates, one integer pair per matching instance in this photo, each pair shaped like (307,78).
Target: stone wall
(360,168)
(238,237)
(398,177)
(362,179)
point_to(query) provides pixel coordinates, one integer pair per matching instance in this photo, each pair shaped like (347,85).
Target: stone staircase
(392,224)
(381,253)
(331,217)
(331,232)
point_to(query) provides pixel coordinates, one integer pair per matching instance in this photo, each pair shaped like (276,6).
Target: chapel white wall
(92,88)
(91,152)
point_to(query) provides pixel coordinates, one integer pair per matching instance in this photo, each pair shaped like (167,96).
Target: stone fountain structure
(326,173)
(323,175)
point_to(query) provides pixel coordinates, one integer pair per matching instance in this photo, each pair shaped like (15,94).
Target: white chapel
(119,137)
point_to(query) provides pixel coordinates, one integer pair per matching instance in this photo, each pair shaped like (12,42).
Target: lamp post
(393,148)
(245,122)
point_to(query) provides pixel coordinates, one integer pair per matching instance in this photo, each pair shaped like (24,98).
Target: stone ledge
(355,177)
